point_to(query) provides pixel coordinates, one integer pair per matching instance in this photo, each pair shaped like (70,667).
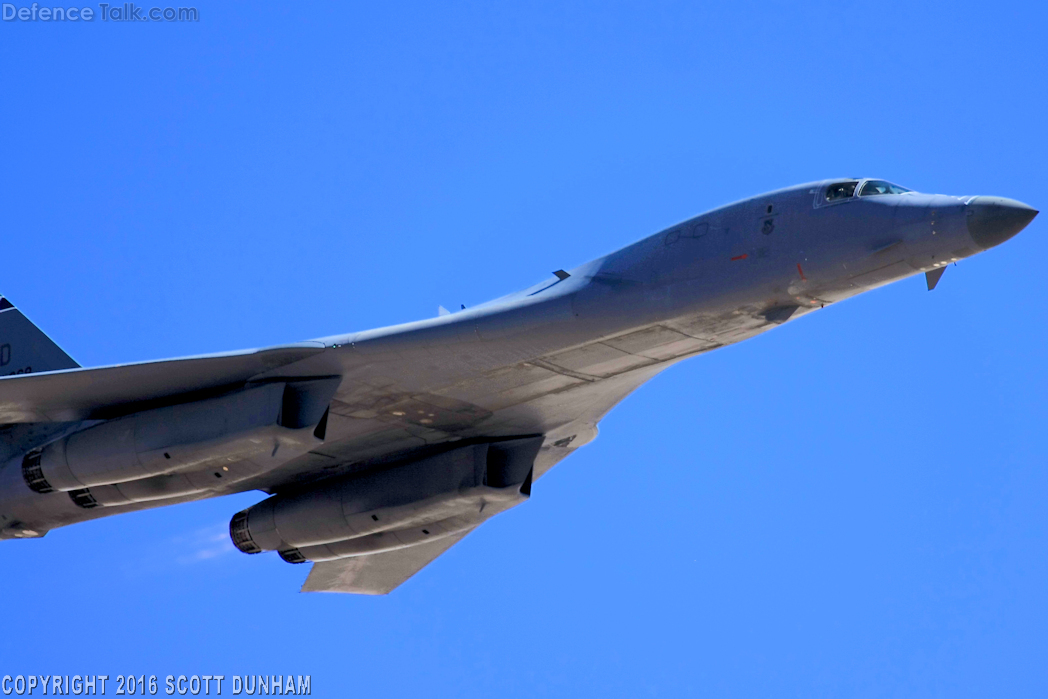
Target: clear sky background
(854,505)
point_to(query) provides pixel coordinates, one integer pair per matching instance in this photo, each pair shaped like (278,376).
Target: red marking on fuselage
(739,257)
(801,271)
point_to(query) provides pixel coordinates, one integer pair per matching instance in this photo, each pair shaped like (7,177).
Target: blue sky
(850,506)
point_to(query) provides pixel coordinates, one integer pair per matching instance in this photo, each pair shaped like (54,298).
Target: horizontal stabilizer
(378,573)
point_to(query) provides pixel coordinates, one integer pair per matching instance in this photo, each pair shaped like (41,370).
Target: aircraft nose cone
(993,220)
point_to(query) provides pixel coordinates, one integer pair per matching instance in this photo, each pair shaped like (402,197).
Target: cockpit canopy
(846,189)
(841,190)
(875,187)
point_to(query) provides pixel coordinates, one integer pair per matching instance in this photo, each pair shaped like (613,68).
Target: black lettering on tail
(24,348)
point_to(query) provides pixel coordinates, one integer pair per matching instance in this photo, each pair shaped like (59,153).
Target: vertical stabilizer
(24,348)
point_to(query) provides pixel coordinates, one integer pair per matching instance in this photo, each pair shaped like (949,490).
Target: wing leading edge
(106,392)
(378,573)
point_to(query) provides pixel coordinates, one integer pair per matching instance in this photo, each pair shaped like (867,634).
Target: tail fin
(24,348)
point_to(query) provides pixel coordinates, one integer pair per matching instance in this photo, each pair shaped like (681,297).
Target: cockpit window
(874,187)
(841,190)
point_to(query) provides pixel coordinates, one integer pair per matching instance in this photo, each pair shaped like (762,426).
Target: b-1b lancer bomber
(381,449)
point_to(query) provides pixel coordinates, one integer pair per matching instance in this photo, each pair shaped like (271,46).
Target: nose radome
(993,220)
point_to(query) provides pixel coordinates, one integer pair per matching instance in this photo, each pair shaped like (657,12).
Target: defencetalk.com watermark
(107,12)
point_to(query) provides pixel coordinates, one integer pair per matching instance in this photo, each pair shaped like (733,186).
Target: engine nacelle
(401,506)
(180,438)
(393,539)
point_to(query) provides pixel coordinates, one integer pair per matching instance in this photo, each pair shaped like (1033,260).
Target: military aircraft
(381,449)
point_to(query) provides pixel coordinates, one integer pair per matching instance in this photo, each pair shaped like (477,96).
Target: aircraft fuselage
(549,361)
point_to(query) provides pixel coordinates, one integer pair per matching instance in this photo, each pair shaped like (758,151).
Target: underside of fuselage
(546,364)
